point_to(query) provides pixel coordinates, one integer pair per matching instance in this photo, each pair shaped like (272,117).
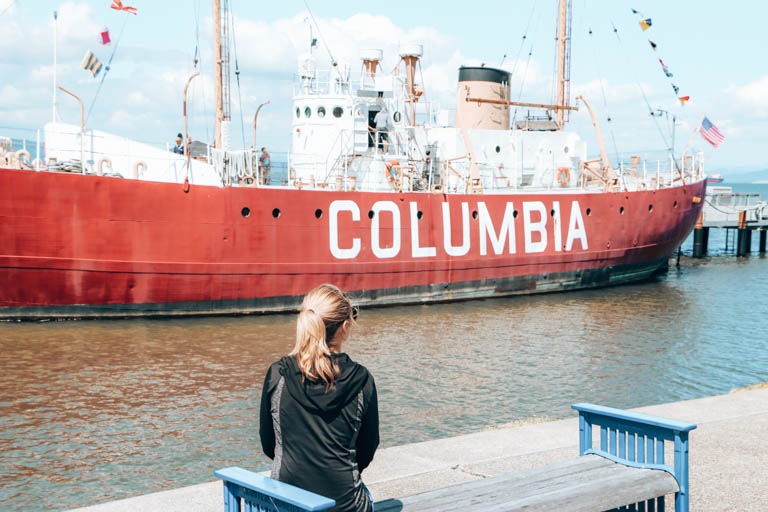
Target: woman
(319,410)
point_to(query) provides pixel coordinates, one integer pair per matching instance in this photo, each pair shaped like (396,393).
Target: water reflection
(92,411)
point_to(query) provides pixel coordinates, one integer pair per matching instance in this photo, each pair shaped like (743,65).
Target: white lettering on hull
(343,205)
(450,249)
(536,230)
(576,229)
(530,227)
(378,251)
(506,232)
(416,250)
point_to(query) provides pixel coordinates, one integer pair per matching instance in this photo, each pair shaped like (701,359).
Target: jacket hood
(313,396)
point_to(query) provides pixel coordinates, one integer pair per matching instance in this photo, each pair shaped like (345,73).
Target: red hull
(74,245)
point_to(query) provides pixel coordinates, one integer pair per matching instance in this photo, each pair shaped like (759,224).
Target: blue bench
(626,470)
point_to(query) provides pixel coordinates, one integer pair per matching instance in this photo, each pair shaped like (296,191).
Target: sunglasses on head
(355,311)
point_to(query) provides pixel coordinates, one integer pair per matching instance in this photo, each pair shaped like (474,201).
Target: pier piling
(700,238)
(762,241)
(744,242)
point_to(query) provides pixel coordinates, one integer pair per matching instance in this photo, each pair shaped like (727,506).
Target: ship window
(674,205)
(307,112)
(498,149)
(514,214)
(298,113)
(565,150)
(650,208)
(320,111)
(276,212)
(621,211)
(589,212)
(318,213)
(370,214)
(419,214)
(338,111)
(397,116)
(474,214)
(246,212)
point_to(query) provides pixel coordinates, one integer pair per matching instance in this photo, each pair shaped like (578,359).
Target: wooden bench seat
(626,470)
(587,483)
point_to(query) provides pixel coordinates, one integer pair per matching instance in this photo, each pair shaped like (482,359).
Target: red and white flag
(105,37)
(118,6)
(711,133)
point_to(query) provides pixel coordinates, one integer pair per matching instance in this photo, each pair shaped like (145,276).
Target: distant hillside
(742,176)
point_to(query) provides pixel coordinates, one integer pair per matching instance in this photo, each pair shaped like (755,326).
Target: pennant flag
(105,37)
(636,12)
(666,69)
(91,63)
(683,99)
(653,45)
(676,88)
(646,23)
(711,133)
(118,6)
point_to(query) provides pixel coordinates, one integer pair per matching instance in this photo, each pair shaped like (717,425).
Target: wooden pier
(739,212)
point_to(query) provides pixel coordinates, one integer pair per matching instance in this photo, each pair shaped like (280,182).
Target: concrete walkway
(728,453)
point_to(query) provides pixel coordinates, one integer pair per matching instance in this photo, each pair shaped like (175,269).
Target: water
(94,411)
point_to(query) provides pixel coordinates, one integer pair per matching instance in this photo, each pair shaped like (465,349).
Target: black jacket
(321,440)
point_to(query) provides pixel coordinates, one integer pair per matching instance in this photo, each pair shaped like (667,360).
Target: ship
(449,205)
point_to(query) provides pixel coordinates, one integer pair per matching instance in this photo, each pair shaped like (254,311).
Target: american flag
(711,133)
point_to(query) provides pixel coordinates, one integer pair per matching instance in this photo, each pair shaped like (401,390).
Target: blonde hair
(322,313)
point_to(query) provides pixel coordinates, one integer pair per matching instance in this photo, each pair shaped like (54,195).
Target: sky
(712,49)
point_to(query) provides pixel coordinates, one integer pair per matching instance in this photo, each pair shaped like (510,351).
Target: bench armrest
(637,440)
(266,492)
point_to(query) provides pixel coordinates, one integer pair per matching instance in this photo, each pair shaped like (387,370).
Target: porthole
(318,213)
(276,212)
(674,205)
(498,149)
(474,214)
(298,112)
(514,214)
(650,208)
(565,150)
(358,112)
(589,212)
(245,212)
(552,212)
(320,111)
(419,214)
(370,214)
(307,112)
(338,111)
(397,116)
(621,211)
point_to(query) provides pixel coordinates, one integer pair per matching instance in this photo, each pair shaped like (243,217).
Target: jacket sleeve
(368,438)
(266,428)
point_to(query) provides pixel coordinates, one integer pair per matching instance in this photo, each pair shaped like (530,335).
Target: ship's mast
(221,71)
(563,59)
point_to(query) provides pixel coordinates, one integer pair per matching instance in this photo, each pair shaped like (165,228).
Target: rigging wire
(106,69)
(334,64)
(645,97)
(237,76)
(605,97)
(522,41)
(8,7)
(197,63)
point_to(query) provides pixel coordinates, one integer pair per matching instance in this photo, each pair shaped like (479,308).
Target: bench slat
(587,483)
(570,466)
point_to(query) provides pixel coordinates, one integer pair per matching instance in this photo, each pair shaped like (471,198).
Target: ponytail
(322,313)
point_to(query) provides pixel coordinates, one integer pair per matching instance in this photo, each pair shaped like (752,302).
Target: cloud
(751,98)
